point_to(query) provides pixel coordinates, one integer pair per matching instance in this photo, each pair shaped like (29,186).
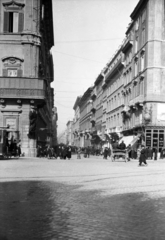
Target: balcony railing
(11,87)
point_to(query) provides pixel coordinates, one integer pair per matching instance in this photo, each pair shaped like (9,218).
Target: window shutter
(6,22)
(21,22)
(19,73)
(4,72)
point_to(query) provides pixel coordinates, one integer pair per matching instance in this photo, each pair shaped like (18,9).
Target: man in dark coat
(115,145)
(69,152)
(122,145)
(88,152)
(105,153)
(143,156)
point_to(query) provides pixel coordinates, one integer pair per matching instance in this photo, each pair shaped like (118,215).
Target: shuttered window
(4,72)
(13,22)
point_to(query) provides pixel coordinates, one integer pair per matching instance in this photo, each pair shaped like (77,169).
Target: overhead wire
(86,41)
(79,57)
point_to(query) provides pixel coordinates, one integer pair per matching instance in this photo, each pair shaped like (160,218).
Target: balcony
(27,88)
(93,109)
(128,43)
(93,94)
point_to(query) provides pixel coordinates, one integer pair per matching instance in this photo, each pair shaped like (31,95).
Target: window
(142,62)
(12,67)
(144,15)
(43,10)
(136,68)
(118,99)
(137,24)
(138,88)
(136,44)
(13,17)
(130,75)
(12,73)
(141,87)
(143,36)
(130,56)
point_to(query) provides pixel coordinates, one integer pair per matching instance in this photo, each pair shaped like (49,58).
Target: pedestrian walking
(122,145)
(69,152)
(79,153)
(19,147)
(88,152)
(143,156)
(105,153)
(156,154)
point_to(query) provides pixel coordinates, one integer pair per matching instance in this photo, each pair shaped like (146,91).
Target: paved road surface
(86,199)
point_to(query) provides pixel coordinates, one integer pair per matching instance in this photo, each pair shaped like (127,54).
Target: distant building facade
(76,123)
(69,133)
(85,118)
(128,96)
(62,138)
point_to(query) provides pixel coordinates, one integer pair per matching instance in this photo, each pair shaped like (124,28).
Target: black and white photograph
(82,119)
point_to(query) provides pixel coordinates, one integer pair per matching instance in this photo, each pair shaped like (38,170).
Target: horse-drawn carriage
(119,154)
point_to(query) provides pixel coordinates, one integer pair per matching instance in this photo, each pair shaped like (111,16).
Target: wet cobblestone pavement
(83,200)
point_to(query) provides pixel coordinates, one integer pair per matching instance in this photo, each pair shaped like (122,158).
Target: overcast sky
(87,33)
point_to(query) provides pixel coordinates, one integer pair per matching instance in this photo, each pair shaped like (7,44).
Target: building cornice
(99,79)
(114,70)
(85,96)
(137,8)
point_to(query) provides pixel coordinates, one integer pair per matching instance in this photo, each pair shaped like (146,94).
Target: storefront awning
(127,140)
(132,140)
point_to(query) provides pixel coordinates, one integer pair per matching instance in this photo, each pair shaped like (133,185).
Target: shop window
(13,21)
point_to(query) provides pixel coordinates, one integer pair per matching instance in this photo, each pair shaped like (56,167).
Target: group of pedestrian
(106,152)
(13,147)
(60,151)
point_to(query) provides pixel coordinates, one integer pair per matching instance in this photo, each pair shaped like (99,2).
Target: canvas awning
(127,140)
(132,140)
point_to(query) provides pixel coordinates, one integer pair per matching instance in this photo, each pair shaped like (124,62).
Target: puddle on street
(50,211)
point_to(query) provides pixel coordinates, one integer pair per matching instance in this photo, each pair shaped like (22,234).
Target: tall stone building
(76,122)
(26,71)
(144,73)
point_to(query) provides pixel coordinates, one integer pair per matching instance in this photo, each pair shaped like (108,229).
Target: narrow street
(85,199)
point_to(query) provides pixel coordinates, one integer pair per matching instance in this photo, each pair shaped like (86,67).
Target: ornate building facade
(26,71)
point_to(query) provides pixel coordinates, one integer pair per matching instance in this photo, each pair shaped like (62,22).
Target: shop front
(155,138)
